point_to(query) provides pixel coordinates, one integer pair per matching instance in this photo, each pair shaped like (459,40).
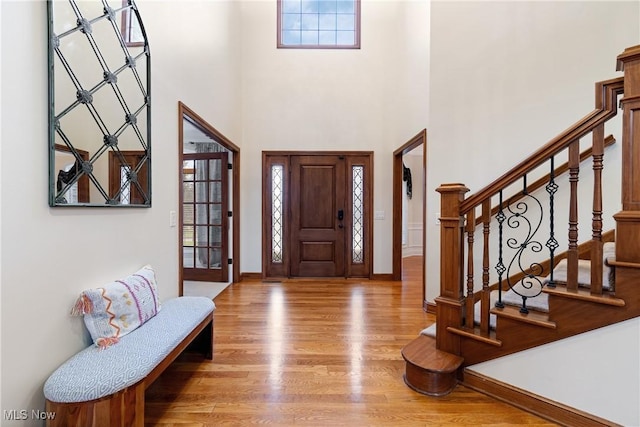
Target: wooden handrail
(606,107)
(545,179)
(624,264)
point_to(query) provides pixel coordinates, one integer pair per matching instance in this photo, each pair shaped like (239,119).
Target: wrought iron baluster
(500,268)
(552,244)
(523,221)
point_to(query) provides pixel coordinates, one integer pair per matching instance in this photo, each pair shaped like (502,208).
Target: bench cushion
(94,373)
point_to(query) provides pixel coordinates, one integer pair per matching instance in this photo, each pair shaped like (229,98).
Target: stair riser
(430,383)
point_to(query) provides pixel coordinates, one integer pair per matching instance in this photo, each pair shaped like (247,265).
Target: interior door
(121,185)
(67,166)
(318,218)
(204,217)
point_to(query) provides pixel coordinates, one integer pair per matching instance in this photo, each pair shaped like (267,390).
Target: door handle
(340,214)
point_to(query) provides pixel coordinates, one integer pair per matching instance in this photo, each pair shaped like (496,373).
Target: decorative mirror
(99,104)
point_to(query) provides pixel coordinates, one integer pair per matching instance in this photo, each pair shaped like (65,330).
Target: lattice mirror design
(99,104)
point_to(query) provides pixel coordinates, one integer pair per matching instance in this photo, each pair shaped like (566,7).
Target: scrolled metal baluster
(552,244)
(500,268)
(520,220)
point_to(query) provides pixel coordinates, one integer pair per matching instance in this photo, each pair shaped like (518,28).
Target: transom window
(330,24)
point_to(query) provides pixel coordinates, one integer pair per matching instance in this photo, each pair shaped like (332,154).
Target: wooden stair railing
(458,330)
(455,305)
(460,341)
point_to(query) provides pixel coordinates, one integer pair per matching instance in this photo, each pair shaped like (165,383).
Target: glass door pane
(204,215)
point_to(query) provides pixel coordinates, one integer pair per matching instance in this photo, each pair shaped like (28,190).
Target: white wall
(598,373)
(506,77)
(315,99)
(49,255)
(1,227)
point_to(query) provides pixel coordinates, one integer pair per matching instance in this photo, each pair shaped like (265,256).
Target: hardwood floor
(314,353)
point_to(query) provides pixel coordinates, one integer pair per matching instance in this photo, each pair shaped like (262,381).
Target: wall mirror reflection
(99,104)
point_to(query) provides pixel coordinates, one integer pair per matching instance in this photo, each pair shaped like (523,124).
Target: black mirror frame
(83,168)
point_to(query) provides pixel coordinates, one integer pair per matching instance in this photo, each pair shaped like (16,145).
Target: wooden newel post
(449,304)
(628,220)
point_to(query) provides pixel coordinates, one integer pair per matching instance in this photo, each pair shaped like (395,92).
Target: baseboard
(250,276)
(530,402)
(429,307)
(383,277)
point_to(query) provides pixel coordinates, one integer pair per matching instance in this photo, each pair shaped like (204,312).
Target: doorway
(409,235)
(123,167)
(205,245)
(209,213)
(317,214)
(65,164)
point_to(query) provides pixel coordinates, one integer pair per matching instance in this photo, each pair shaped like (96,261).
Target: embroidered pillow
(119,307)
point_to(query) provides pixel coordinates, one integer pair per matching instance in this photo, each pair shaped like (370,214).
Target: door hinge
(229,214)
(229,166)
(230,261)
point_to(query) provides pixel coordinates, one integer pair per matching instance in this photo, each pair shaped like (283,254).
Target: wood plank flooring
(314,353)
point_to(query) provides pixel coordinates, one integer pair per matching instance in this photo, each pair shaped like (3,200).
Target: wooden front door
(318,216)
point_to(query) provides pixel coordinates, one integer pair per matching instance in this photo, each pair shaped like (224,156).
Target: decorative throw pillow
(119,307)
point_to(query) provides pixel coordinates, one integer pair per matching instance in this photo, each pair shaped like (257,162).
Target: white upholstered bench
(105,387)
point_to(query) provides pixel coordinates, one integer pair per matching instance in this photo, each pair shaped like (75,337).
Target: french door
(204,217)
(317,220)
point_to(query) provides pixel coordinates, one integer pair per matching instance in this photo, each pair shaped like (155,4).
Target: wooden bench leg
(122,409)
(204,342)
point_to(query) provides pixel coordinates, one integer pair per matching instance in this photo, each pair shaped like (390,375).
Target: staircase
(528,293)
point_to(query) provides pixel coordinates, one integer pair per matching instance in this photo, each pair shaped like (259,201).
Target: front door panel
(317,229)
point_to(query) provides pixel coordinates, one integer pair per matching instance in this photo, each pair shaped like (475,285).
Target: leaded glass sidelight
(358,214)
(125,185)
(277,217)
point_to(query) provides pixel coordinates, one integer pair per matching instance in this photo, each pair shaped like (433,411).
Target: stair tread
(476,334)
(422,352)
(532,317)
(585,295)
